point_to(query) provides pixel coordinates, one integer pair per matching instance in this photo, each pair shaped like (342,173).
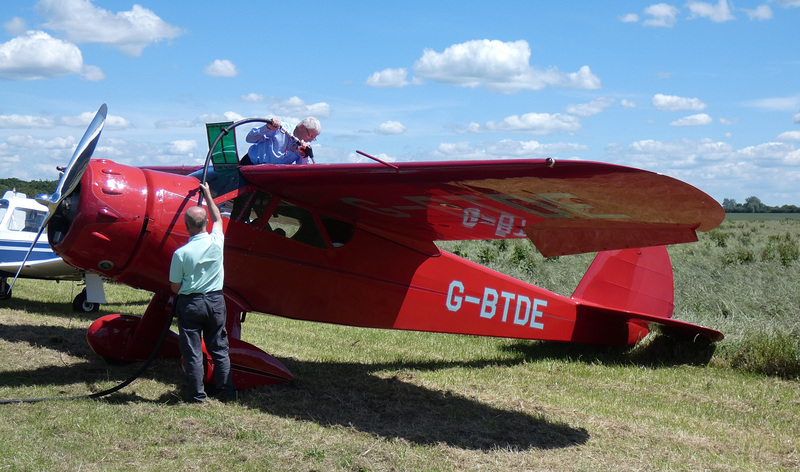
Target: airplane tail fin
(623,292)
(632,280)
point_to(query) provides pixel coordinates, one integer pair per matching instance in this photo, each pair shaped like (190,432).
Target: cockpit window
(296,223)
(27,220)
(249,208)
(290,221)
(3,209)
(338,231)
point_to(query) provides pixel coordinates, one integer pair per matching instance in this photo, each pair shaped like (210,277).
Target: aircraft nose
(97,226)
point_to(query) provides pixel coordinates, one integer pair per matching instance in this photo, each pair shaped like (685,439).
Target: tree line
(754,205)
(30,189)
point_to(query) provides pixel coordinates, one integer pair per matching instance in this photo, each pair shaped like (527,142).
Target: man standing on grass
(196,274)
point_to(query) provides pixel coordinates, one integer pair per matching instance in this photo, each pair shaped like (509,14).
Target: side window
(23,219)
(249,208)
(289,220)
(296,223)
(338,231)
(3,209)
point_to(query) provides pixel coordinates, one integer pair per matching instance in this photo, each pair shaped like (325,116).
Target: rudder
(633,280)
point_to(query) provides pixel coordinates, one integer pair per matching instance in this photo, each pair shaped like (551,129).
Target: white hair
(312,124)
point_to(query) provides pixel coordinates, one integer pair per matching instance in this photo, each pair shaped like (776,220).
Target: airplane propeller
(70,178)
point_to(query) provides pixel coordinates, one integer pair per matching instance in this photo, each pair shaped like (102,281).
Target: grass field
(761,216)
(375,400)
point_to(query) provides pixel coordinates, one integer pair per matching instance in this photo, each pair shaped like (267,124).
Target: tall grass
(740,278)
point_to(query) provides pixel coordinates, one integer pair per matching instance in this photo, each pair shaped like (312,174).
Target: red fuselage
(128,221)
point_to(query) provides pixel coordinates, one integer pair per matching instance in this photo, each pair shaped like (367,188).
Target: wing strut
(377,160)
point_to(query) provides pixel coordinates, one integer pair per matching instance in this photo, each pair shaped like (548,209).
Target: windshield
(25,219)
(3,209)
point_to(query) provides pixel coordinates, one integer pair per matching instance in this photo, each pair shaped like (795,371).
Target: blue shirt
(197,265)
(273,147)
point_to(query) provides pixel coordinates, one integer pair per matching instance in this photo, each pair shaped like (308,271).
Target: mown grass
(375,400)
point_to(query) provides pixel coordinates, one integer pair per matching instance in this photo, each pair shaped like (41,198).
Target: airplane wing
(51,269)
(564,207)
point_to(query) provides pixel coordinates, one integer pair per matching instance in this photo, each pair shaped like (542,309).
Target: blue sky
(707,92)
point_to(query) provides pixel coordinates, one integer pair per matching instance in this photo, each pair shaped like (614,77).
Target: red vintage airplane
(353,244)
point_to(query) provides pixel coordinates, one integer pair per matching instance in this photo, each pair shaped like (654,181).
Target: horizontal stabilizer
(672,327)
(634,285)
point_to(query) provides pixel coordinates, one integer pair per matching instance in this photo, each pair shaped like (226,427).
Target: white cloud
(592,108)
(30,141)
(461,150)
(718,166)
(253,97)
(391,78)
(391,127)
(296,107)
(529,123)
(776,103)
(583,79)
(663,15)
(200,120)
(770,153)
(182,146)
(161,124)
(500,67)
(505,149)
(718,13)
(36,55)
(221,68)
(790,136)
(83,120)
(92,73)
(229,116)
(796,118)
(79,121)
(792,158)
(673,103)
(761,12)
(627,103)
(729,121)
(695,120)
(15,26)
(629,18)
(684,153)
(25,121)
(787,3)
(531,149)
(130,31)
(355,157)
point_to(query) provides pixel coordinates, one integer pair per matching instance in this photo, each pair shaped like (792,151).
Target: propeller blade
(77,165)
(69,179)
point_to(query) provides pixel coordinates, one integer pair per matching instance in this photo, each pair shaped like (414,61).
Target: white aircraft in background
(20,219)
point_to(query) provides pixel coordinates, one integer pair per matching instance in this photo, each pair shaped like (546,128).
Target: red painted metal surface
(567,208)
(111,336)
(364,252)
